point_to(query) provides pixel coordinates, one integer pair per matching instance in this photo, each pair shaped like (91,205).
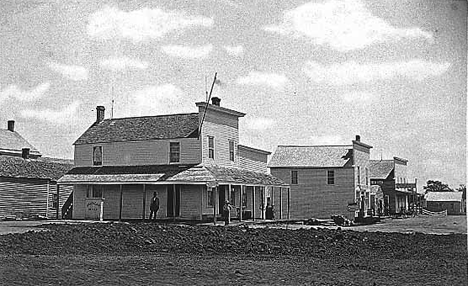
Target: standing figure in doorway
(154,206)
(227,212)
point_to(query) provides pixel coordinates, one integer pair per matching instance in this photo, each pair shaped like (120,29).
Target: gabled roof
(141,128)
(312,156)
(195,174)
(380,169)
(40,168)
(444,196)
(11,142)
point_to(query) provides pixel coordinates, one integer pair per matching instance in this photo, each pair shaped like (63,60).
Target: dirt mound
(148,238)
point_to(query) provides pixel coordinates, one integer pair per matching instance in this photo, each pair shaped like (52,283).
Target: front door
(222,198)
(173,201)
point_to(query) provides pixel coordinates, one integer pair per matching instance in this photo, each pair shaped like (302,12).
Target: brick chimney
(11,125)
(25,153)
(216,101)
(100,113)
(358,138)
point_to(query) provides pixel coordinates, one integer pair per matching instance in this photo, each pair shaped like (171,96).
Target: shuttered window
(174,152)
(231,150)
(294,177)
(331,177)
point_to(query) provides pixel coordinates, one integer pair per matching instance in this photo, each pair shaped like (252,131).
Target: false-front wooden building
(325,180)
(391,176)
(193,162)
(28,181)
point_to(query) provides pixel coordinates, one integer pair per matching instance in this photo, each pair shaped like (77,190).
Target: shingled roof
(311,156)
(380,169)
(444,196)
(141,128)
(167,174)
(11,142)
(40,168)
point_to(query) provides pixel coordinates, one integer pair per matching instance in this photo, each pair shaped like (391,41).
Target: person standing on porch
(227,212)
(154,206)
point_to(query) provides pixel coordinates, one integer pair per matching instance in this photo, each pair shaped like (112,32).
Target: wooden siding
(361,159)
(252,161)
(190,201)
(223,127)
(453,208)
(312,197)
(151,152)
(25,197)
(400,174)
(64,193)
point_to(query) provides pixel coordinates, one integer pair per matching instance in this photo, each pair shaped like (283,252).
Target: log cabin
(28,181)
(325,180)
(193,162)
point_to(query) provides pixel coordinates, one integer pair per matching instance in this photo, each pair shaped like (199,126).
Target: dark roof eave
(155,139)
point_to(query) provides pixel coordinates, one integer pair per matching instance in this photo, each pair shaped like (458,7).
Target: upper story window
(97,155)
(174,152)
(231,150)
(330,177)
(211,148)
(293,177)
(359,175)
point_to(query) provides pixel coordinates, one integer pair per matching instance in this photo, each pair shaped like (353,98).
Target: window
(210,197)
(294,177)
(174,152)
(94,191)
(330,177)
(231,150)
(359,175)
(211,147)
(244,198)
(367,176)
(97,155)
(54,201)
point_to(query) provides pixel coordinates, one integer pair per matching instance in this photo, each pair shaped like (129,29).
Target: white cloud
(236,51)
(328,140)
(358,96)
(259,123)
(351,72)
(71,72)
(157,100)
(13,91)
(343,25)
(141,25)
(53,116)
(188,52)
(123,63)
(273,80)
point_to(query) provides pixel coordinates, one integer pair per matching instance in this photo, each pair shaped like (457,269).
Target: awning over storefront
(167,174)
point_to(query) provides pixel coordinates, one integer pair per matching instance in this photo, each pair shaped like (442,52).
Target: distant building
(391,176)
(325,180)
(192,161)
(451,201)
(28,181)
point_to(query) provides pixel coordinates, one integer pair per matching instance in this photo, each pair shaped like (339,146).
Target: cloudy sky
(309,73)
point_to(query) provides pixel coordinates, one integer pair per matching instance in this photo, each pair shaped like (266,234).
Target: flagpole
(207,103)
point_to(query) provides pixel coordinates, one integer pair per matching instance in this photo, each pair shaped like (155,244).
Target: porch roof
(166,174)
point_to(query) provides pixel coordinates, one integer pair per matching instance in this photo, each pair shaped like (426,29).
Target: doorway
(173,201)
(221,198)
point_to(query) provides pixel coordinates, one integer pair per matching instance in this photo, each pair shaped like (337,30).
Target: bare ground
(159,254)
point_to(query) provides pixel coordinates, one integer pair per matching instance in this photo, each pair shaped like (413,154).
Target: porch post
(144,202)
(121,202)
(289,201)
(253,203)
(240,202)
(58,201)
(214,204)
(173,202)
(281,202)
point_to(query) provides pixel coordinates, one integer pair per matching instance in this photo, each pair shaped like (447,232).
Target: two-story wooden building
(325,180)
(391,176)
(192,161)
(28,181)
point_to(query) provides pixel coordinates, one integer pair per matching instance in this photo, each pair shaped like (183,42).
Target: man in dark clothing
(154,206)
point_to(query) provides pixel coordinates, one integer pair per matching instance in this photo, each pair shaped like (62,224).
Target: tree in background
(436,186)
(462,188)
